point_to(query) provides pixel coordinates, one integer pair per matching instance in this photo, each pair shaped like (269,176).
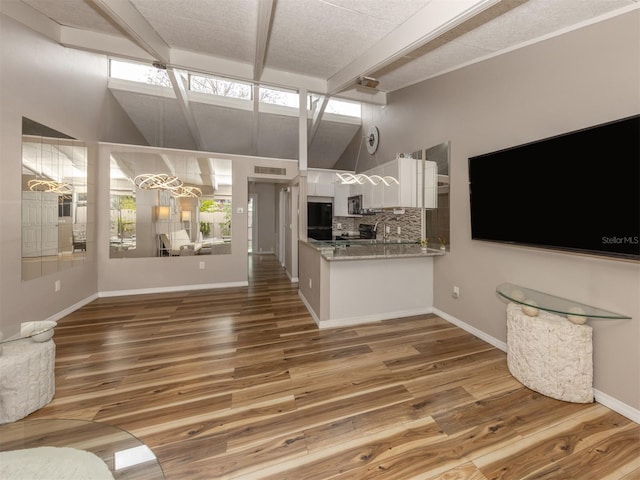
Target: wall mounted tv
(578,192)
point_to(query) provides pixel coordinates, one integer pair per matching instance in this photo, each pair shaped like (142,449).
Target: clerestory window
(138,72)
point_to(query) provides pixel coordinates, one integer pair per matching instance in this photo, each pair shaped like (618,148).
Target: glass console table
(553,304)
(547,352)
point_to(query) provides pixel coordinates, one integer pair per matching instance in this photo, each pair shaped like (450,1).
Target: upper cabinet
(320,183)
(341,195)
(408,192)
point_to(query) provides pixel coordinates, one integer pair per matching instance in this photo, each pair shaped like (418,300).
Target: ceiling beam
(316,117)
(263,31)
(179,81)
(166,159)
(102,43)
(436,18)
(32,18)
(255,119)
(135,26)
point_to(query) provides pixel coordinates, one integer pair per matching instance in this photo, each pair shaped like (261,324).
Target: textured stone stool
(550,355)
(27,378)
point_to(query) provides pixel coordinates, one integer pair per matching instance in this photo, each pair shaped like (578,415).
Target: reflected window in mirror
(54,201)
(169,205)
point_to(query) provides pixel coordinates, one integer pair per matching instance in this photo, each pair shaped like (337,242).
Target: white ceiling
(323,46)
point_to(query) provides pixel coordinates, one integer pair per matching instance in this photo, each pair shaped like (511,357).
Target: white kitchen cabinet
(340,198)
(407,193)
(320,183)
(324,189)
(367,194)
(377,191)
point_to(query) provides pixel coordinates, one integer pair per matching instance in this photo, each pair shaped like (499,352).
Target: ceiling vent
(270,170)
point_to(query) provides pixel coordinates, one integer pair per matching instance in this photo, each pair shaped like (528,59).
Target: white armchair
(179,243)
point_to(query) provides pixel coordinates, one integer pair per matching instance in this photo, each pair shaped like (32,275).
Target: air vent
(270,170)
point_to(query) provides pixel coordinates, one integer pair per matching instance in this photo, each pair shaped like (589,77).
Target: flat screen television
(577,192)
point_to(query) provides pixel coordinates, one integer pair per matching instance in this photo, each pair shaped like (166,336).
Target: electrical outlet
(399,230)
(240,210)
(56,286)
(456,292)
(339,226)
(387,229)
(201,265)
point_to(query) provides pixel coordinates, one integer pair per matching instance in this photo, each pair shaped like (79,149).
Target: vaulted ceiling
(319,46)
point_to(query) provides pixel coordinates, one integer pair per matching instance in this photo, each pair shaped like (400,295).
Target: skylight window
(138,72)
(219,86)
(285,98)
(341,107)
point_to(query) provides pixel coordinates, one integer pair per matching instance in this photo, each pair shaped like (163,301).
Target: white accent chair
(179,243)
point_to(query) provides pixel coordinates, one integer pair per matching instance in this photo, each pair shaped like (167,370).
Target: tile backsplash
(409,223)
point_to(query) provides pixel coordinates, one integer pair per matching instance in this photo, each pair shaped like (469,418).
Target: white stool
(27,378)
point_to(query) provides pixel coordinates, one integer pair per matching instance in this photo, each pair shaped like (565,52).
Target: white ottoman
(550,355)
(27,378)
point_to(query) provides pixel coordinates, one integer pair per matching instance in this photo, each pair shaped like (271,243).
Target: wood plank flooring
(239,383)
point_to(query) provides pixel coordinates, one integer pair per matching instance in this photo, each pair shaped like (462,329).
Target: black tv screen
(578,192)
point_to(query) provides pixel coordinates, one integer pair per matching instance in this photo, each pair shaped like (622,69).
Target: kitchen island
(360,281)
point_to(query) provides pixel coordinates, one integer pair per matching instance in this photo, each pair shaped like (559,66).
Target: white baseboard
(265,252)
(617,406)
(178,288)
(600,397)
(293,279)
(472,330)
(308,305)
(350,321)
(361,320)
(72,308)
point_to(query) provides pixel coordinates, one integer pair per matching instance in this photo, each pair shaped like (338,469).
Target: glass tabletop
(126,457)
(551,303)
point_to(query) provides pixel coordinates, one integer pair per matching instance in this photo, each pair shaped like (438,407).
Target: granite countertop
(371,250)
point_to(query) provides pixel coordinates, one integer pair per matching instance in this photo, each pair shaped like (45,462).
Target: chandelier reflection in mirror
(157,181)
(186,191)
(50,186)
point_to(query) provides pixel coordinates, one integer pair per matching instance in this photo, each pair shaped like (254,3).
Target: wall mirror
(54,200)
(169,205)
(436,221)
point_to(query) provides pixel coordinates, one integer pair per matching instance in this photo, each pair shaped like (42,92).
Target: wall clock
(373,138)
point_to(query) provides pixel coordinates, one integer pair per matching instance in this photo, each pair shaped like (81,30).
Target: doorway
(252,222)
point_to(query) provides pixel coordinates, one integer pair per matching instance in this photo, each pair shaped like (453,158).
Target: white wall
(66,90)
(582,78)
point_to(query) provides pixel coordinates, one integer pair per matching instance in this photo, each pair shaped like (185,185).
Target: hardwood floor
(239,383)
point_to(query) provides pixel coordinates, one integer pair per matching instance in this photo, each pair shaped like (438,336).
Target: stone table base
(27,380)
(550,355)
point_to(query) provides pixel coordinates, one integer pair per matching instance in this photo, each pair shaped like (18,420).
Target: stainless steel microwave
(354,205)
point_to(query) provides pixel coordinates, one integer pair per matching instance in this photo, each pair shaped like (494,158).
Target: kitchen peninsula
(359,281)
